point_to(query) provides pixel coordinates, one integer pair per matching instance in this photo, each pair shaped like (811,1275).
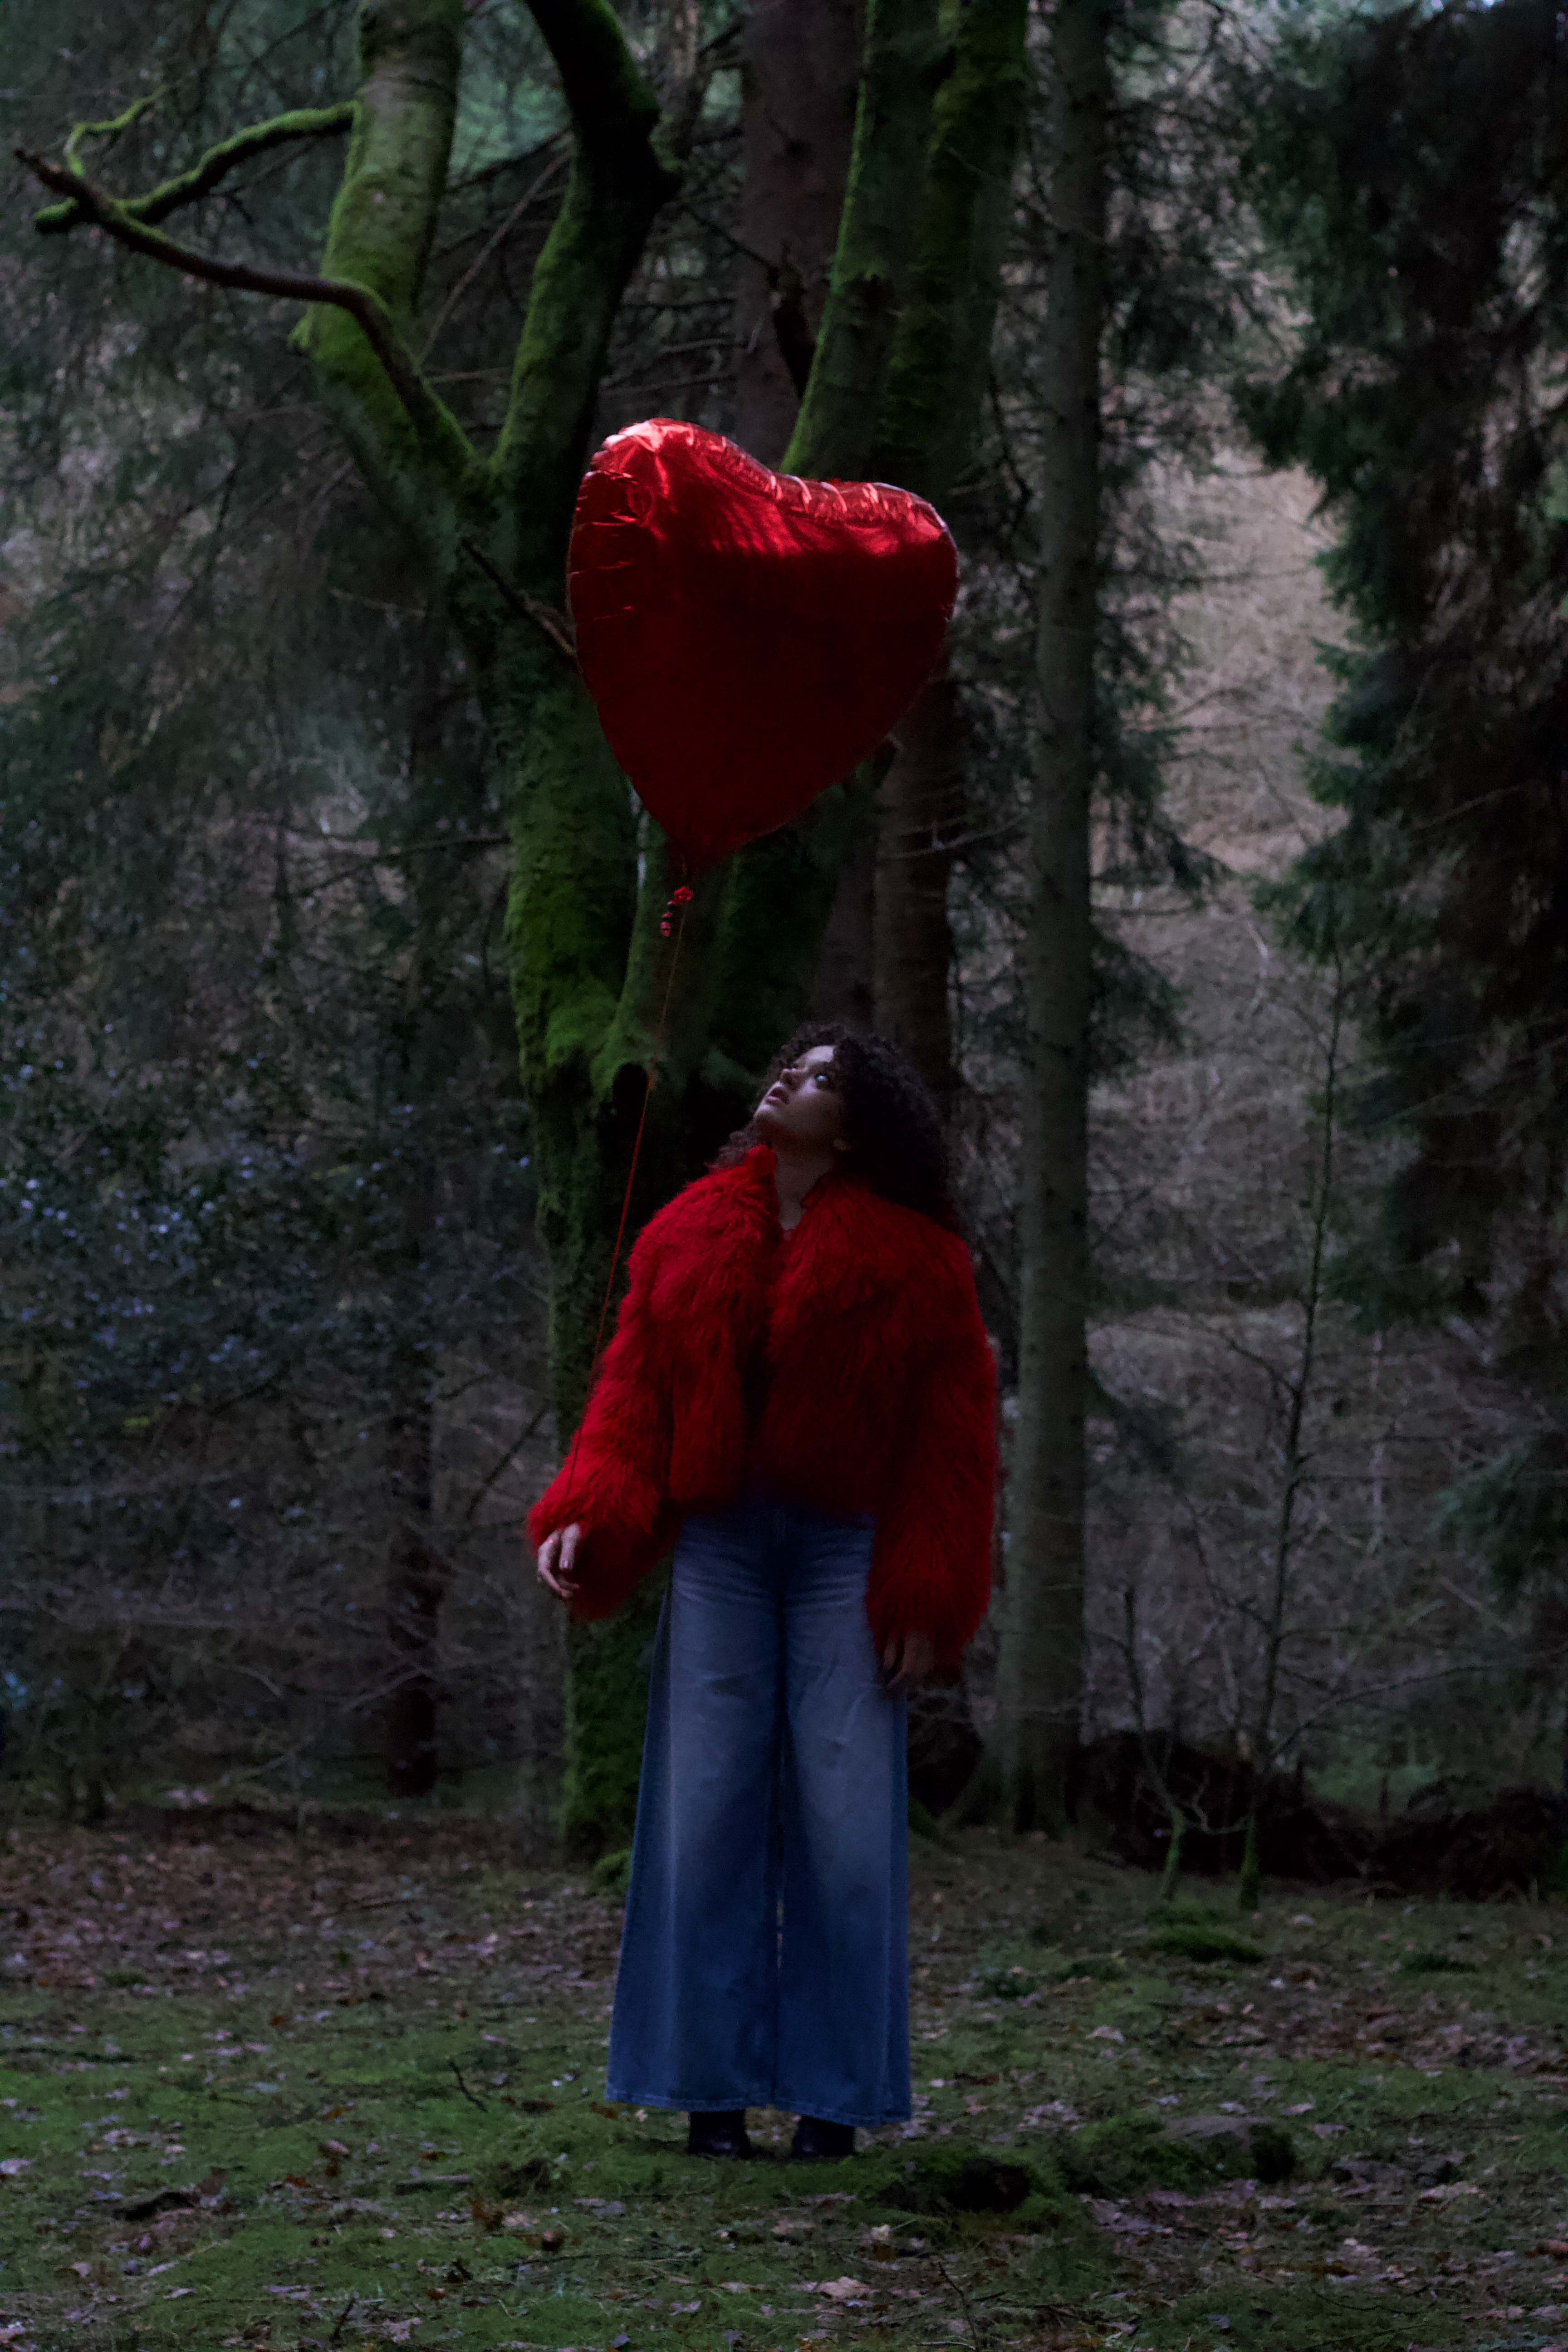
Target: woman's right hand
(557,1561)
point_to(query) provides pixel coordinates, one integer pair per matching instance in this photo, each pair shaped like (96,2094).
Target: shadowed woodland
(1218,883)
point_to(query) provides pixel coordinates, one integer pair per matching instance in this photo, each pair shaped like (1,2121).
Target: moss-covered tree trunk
(1041,1667)
(588,963)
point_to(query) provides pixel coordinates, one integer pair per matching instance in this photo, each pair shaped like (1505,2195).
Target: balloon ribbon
(680,899)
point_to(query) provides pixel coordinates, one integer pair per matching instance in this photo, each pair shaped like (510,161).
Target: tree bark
(1041,1664)
(921,810)
(800,69)
(837,428)
(846,987)
(896,915)
(418,1569)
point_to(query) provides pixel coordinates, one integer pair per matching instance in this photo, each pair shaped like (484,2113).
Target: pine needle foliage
(1410,166)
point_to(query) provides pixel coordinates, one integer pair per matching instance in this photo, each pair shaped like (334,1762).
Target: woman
(799,1396)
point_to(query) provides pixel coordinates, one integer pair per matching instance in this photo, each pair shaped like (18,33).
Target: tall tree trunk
(417,1567)
(800,73)
(800,70)
(754,938)
(415,1581)
(919,811)
(846,986)
(1041,1667)
(925,439)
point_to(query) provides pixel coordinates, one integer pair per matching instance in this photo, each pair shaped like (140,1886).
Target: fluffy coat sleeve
(615,1480)
(931,1568)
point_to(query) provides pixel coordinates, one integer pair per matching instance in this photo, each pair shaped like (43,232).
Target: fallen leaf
(12,2167)
(333,2147)
(839,2290)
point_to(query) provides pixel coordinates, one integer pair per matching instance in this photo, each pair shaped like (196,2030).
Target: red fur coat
(879,1394)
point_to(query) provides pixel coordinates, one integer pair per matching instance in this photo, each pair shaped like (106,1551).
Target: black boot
(817,2142)
(722,2133)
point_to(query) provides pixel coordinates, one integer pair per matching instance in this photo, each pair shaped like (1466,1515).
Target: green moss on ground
(1203,1940)
(1301,2319)
(347,2090)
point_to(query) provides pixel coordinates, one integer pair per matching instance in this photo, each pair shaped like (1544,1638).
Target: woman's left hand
(907,1658)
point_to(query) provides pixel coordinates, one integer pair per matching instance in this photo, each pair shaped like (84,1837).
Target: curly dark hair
(890,1122)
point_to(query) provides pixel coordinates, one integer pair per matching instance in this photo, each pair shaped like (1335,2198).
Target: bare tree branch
(555,626)
(369,314)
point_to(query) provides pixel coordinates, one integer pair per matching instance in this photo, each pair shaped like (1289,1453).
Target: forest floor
(319,2091)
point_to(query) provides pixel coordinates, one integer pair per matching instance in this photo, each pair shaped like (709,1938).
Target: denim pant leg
(695,2009)
(844,2008)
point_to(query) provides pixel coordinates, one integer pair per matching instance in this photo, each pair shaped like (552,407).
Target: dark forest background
(1219,883)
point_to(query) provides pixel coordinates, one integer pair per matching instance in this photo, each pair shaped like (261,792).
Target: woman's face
(803,1110)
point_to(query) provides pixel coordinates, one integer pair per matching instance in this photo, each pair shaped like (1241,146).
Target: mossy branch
(189,187)
(369,314)
(619,180)
(614,112)
(111,129)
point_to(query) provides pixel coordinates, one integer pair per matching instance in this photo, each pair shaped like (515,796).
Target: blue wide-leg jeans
(764,1961)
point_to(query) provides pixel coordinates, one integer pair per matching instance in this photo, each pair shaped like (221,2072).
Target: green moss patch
(956,2178)
(1301,2319)
(1128,2154)
(1007,1980)
(1204,1940)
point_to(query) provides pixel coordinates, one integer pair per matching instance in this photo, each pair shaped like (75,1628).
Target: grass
(316,2092)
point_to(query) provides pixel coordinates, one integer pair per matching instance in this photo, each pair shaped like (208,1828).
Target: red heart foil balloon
(747,636)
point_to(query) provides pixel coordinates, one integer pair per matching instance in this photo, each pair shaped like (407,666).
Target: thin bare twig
(367,310)
(464,2089)
(507,1458)
(555,626)
(552,171)
(960,2297)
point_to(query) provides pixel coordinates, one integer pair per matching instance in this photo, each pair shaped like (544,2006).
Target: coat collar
(850,1243)
(759,1171)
